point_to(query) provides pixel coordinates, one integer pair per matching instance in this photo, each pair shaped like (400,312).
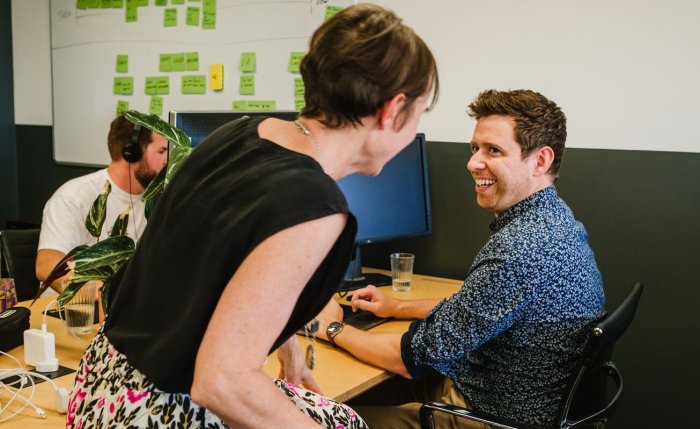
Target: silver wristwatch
(334,329)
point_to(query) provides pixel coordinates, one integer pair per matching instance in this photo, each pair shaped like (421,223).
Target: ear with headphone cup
(131,152)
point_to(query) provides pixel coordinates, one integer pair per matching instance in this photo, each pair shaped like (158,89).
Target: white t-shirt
(63,225)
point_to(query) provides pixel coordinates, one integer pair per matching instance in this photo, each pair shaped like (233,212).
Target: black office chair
(19,247)
(584,404)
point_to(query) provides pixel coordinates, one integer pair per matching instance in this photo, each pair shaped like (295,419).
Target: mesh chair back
(19,248)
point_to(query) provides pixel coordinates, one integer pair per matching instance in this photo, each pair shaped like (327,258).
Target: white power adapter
(40,349)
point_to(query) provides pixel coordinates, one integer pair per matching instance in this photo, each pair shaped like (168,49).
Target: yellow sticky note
(216,76)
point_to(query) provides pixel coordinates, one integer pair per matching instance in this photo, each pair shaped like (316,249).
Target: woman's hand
(293,365)
(372,299)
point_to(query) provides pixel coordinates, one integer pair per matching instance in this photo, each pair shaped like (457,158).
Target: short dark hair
(121,131)
(360,58)
(538,120)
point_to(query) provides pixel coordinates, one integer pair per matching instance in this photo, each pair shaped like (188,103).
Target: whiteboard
(625,72)
(85,45)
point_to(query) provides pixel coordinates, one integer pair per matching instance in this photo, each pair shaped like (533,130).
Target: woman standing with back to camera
(249,242)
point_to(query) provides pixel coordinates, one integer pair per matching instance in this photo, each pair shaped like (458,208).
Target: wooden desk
(339,374)
(69,350)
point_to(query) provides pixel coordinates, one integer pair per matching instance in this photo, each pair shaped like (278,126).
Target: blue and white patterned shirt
(510,337)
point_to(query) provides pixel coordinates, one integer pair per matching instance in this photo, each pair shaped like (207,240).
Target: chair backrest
(585,401)
(19,248)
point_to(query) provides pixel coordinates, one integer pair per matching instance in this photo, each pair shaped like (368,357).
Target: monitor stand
(356,279)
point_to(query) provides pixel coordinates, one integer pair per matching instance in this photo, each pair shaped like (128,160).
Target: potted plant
(103,259)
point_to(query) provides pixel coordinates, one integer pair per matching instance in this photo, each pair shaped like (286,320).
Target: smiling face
(503,177)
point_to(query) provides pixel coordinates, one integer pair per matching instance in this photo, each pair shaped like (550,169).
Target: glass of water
(79,313)
(401,271)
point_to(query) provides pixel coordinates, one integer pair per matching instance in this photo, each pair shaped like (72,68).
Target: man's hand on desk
(372,299)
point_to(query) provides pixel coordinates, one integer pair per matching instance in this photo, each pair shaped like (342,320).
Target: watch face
(334,328)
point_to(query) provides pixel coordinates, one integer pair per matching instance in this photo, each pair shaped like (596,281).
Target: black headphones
(131,152)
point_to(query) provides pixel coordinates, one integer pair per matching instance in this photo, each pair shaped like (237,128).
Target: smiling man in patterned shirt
(507,341)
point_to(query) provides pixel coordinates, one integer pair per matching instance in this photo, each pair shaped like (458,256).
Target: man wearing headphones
(137,156)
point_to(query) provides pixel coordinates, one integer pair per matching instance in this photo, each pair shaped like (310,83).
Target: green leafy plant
(103,259)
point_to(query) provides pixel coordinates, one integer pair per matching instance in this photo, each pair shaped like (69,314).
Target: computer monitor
(392,205)
(199,124)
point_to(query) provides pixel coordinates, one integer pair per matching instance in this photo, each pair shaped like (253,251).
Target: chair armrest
(611,371)
(428,409)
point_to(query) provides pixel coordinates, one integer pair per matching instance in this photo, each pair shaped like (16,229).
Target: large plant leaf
(154,123)
(60,270)
(98,212)
(177,157)
(120,225)
(69,292)
(153,192)
(97,262)
(104,253)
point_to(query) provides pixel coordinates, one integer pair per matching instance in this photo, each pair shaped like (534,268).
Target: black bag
(13,323)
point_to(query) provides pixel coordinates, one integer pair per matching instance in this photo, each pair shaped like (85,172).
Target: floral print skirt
(110,393)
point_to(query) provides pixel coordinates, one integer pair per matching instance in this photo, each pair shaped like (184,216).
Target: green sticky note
(122,106)
(93,4)
(247,63)
(117,4)
(246,85)
(194,1)
(331,10)
(240,105)
(193,16)
(161,2)
(262,104)
(81,4)
(123,86)
(194,84)
(169,17)
(192,61)
(141,2)
(294,61)
(166,63)
(163,85)
(298,87)
(122,63)
(132,12)
(151,87)
(155,107)
(178,2)
(105,4)
(178,62)
(208,14)
(299,103)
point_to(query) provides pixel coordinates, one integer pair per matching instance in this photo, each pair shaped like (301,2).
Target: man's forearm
(379,349)
(415,309)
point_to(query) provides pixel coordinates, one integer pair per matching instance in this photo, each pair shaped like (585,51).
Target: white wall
(31,62)
(626,72)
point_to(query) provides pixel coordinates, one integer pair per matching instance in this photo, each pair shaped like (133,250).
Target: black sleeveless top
(233,192)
